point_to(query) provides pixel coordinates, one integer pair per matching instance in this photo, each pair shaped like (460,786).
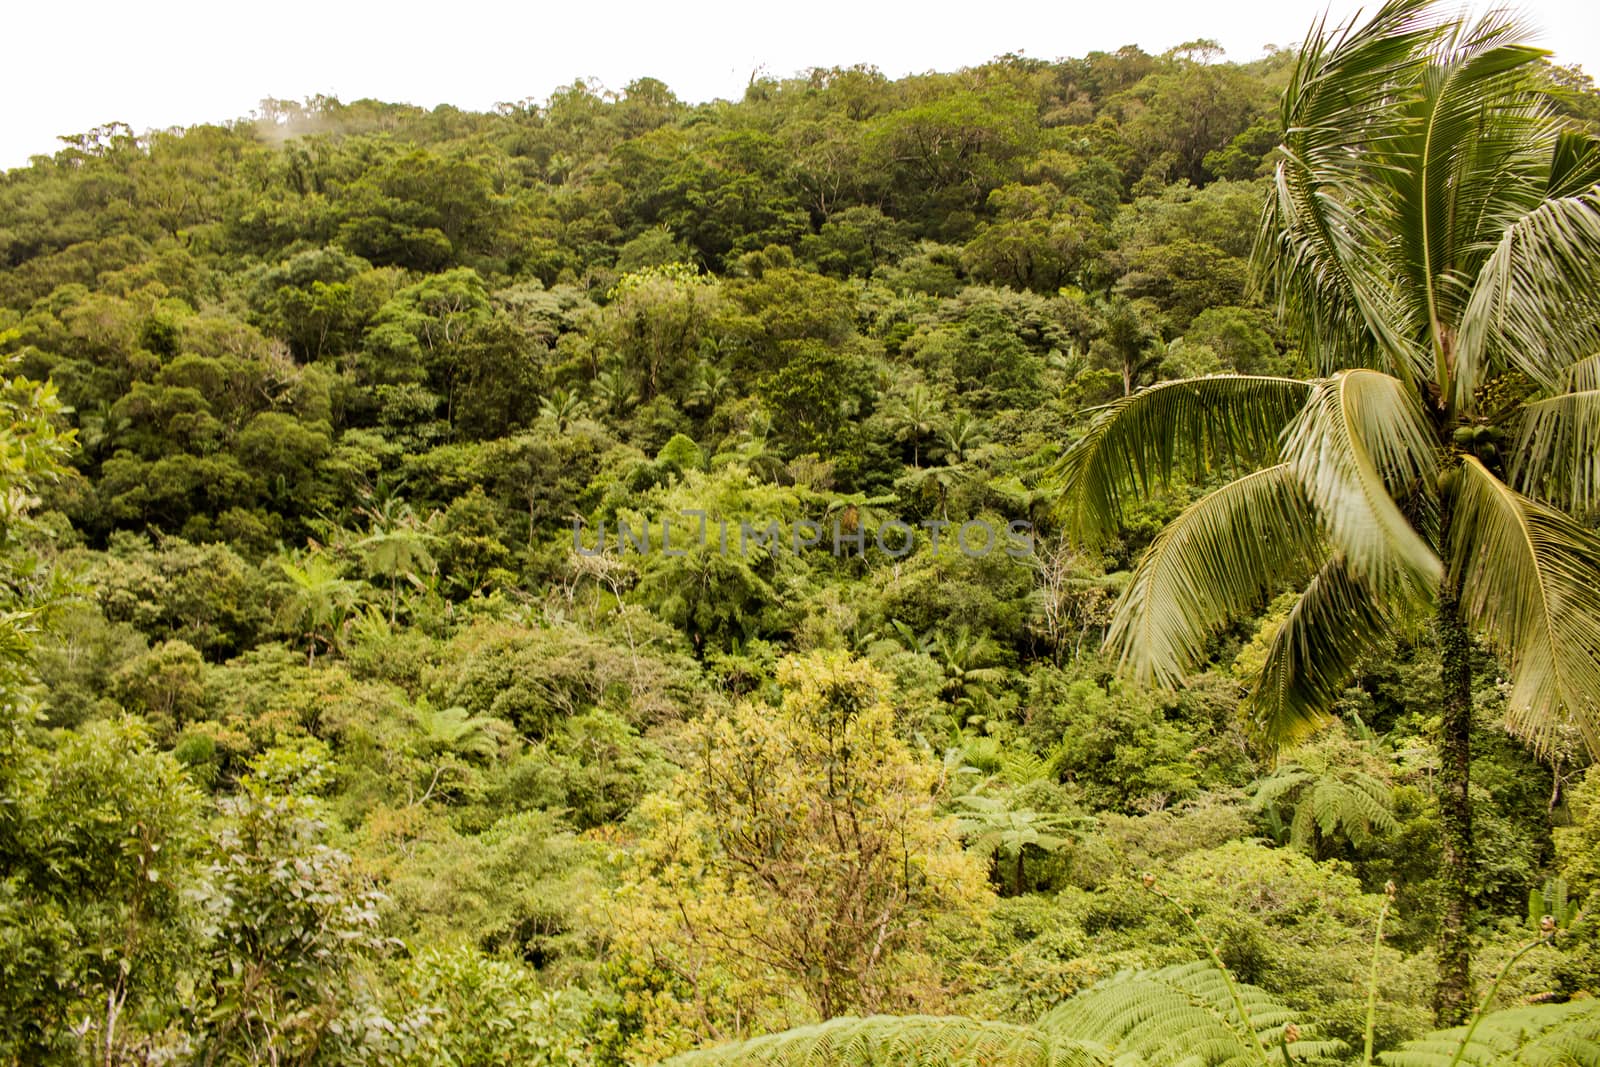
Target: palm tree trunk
(1453,995)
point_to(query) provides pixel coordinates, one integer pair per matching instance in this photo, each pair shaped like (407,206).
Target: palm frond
(1137,441)
(1557,1035)
(1534,305)
(1362,436)
(1223,557)
(1557,454)
(1313,653)
(1574,165)
(1469,156)
(1530,578)
(1321,248)
(903,1041)
(1182,1014)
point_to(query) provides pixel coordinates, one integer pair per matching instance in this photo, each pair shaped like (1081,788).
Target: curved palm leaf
(1312,655)
(1471,163)
(1557,454)
(1323,234)
(1530,578)
(1363,435)
(913,1041)
(1135,442)
(1225,555)
(1574,166)
(1535,306)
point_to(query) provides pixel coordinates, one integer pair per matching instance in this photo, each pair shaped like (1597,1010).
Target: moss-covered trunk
(1453,995)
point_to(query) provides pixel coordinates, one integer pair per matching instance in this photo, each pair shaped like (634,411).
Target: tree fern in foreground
(1191,1013)
(1549,1035)
(904,1041)
(1185,1015)
(1175,1017)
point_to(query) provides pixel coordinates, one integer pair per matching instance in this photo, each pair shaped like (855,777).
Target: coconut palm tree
(1433,239)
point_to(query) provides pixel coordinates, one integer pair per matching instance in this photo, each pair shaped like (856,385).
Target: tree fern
(1547,1035)
(990,826)
(1325,791)
(903,1041)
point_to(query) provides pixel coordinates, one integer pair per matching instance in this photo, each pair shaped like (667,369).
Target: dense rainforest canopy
(339,723)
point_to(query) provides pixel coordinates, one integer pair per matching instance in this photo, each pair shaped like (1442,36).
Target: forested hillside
(342,724)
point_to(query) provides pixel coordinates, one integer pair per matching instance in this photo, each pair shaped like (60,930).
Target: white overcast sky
(73,65)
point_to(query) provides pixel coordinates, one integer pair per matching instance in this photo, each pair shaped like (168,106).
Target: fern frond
(1020,766)
(1547,1035)
(1281,785)
(1184,1014)
(903,1041)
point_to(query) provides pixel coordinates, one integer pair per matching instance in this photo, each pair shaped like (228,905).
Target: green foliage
(1576,845)
(538,678)
(1324,792)
(914,1039)
(33,451)
(336,382)
(465,1008)
(205,595)
(286,920)
(1551,899)
(100,839)
(799,854)
(1547,1033)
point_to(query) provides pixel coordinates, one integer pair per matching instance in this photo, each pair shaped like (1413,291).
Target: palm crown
(1433,239)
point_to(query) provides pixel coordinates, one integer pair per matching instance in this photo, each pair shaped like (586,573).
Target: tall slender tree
(1433,239)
